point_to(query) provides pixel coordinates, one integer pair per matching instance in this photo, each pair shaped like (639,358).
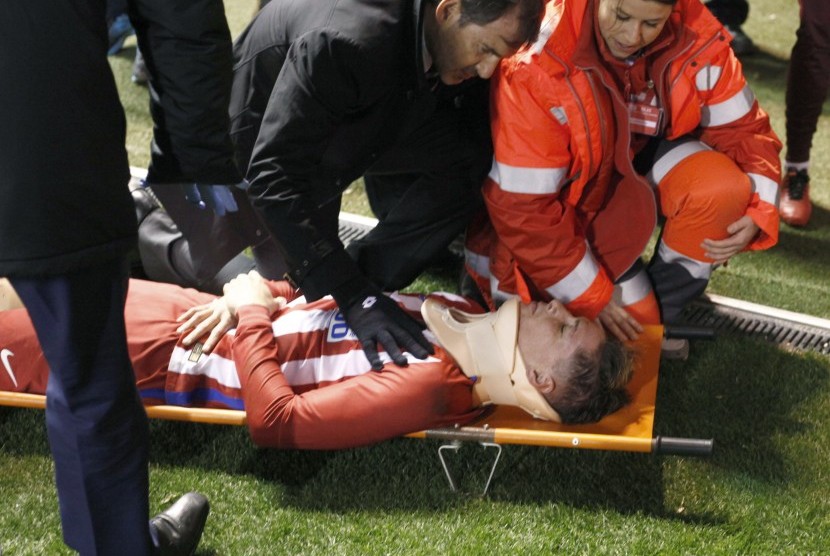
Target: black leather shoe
(179,527)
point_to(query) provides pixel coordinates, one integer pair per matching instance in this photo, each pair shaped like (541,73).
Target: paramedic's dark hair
(596,386)
(482,12)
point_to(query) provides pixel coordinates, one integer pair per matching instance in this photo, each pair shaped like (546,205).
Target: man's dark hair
(596,386)
(482,12)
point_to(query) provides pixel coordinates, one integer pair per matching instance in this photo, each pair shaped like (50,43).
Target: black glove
(376,319)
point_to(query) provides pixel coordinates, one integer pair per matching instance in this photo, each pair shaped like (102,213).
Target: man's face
(629,25)
(460,52)
(550,336)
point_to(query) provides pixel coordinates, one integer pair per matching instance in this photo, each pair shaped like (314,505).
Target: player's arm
(362,410)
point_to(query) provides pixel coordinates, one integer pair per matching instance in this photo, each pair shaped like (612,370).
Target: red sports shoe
(795,207)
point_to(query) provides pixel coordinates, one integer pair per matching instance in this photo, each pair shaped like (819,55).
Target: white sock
(797,166)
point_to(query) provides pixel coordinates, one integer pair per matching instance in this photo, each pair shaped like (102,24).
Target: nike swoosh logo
(4,356)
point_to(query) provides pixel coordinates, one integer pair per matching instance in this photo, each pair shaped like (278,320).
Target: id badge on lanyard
(644,119)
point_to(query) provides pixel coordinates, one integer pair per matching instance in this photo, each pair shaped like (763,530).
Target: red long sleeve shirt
(301,377)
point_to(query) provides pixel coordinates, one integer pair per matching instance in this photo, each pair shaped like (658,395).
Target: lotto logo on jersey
(339,331)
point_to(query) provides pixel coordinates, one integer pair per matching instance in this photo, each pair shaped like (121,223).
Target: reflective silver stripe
(577,281)
(766,188)
(558,112)
(537,181)
(728,110)
(544,34)
(632,290)
(707,78)
(698,269)
(498,295)
(479,263)
(672,158)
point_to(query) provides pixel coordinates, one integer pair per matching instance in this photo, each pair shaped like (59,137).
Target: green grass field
(765,490)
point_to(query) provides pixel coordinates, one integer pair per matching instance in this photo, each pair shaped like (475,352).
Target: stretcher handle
(669,446)
(689,332)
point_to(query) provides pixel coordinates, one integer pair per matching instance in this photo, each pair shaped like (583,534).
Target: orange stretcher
(629,429)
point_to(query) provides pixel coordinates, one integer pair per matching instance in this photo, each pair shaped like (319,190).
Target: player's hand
(250,289)
(619,322)
(377,320)
(213,319)
(742,231)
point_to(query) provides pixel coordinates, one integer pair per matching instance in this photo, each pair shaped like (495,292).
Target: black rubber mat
(786,333)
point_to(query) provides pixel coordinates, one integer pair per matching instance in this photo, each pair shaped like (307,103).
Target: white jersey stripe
(214,366)
(331,368)
(301,320)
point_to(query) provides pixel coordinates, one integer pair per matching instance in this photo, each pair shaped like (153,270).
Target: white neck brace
(486,347)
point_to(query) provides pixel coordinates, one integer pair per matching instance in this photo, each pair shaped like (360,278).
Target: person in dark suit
(66,224)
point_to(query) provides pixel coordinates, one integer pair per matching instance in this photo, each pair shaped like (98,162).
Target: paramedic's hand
(375,319)
(213,319)
(619,322)
(741,232)
(250,289)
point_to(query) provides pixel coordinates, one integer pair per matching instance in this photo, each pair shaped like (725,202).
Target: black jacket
(187,48)
(321,88)
(63,166)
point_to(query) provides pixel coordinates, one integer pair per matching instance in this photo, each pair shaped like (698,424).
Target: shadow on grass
(819,220)
(746,395)
(749,396)
(767,69)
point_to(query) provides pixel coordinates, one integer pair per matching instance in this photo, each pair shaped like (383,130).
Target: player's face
(549,336)
(629,25)
(461,52)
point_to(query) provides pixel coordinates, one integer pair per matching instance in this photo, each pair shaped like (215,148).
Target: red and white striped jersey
(302,376)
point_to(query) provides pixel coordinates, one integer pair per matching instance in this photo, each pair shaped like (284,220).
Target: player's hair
(596,384)
(482,12)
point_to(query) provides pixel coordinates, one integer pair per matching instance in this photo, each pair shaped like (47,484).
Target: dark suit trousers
(96,425)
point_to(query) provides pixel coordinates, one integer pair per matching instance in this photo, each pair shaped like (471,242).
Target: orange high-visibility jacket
(569,211)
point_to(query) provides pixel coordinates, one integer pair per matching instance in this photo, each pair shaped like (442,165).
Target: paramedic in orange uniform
(300,374)
(622,112)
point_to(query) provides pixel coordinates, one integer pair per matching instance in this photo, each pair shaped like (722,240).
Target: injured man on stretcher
(304,381)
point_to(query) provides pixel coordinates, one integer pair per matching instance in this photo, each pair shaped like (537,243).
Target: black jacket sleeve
(187,48)
(325,81)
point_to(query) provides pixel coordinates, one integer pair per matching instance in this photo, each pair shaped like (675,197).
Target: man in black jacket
(67,222)
(327,91)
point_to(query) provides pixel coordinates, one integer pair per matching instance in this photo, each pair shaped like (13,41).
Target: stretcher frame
(629,429)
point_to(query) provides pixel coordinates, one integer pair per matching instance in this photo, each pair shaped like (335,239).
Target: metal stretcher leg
(455,445)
